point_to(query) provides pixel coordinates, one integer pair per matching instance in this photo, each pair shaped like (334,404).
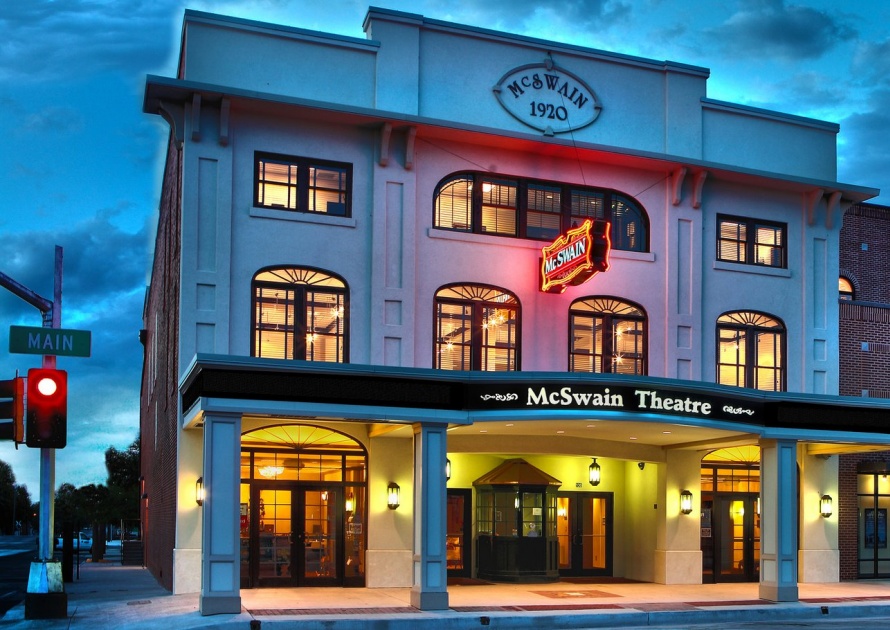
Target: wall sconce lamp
(199,491)
(686,502)
(593,473)
(447,469)
(392,495)
(825,506)
(350,503)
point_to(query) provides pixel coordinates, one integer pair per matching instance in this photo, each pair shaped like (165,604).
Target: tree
(15,502)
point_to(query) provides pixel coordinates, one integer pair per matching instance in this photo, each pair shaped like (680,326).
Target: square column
(220,549)
(778,524)
(430,590)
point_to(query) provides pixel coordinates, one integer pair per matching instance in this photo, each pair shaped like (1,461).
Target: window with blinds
(300,313)
(751,351)
(303,185)
(607,335)
(477,328)
(751,242)
(518,207)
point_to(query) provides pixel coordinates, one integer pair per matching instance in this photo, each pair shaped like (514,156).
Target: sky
(81,165)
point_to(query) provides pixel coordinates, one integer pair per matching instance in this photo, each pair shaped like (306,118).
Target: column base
(429,600)
(776,593)
(220,605)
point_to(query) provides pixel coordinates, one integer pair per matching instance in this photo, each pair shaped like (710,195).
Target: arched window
(607,335)
(845,289)
(300,313)
(477,328)
(751,351)
(540,210)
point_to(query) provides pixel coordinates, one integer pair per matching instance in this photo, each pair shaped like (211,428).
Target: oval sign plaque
(546,97)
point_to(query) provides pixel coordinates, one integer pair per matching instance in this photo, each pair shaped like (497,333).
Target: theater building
(449,302)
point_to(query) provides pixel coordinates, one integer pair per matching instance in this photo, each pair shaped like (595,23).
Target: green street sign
(58,342)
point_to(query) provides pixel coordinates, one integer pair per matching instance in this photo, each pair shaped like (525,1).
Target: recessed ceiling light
(633,438)
(483,430)
(591,426)
(560,431)
(666,432)
(509,424)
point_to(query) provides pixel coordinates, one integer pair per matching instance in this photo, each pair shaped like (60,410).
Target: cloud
(45,39)
(871,62)
(770,29)
(866,160)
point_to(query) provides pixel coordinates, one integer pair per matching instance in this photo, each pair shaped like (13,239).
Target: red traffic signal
(13,389)
(46,423)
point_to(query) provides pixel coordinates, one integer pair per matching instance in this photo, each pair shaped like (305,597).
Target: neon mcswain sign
(575,257)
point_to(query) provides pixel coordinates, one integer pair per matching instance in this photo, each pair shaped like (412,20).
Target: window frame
(844,294)
(606,209)
(477,301)
(304,280)
(611,317)
(301,187)
(749,245)
(749,326)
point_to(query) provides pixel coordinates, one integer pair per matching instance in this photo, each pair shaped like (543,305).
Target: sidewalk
(109,595)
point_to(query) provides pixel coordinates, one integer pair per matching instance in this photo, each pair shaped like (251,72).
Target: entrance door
(584,530)
(736,528)
(459,532)
(298,535)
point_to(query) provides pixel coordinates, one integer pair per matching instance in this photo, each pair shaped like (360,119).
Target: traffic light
(47,409)
(15,390)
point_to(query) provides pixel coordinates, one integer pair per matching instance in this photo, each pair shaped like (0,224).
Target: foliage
(15,501)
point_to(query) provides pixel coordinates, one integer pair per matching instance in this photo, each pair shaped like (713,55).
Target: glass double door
(584,531)
(736,529)
(295,536)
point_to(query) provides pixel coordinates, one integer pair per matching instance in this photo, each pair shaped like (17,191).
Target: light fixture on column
(593,473)
(825,505)
(350,503)
(392,495)
(199,491)
(447,469)
(686,502)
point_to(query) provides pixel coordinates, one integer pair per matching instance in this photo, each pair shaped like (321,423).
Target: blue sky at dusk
(81,165)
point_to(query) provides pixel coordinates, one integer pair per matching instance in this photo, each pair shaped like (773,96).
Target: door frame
(750,564)
(467,533)
(297,536)
(575,524)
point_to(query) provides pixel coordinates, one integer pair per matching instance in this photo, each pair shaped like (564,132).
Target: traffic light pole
(46,597)
(48,455)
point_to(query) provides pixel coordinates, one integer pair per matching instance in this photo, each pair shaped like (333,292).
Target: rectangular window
(303,185)
(751,242)
(499,207)
(544,212)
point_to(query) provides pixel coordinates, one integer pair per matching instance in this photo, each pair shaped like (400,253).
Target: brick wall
(158,413)
(865,261)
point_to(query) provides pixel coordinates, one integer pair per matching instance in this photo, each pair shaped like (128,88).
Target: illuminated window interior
(607,336)
(751,242)
(476,329)
(302,184)
(517,207)
(845,289)
(750,348)
(300,313)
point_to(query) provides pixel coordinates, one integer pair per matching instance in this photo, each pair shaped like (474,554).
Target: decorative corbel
(385,135)
(410,138)
(196,117)
(677,178)
(812,199)
(833,204)
(224,107)
(174,114)
(698,183)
